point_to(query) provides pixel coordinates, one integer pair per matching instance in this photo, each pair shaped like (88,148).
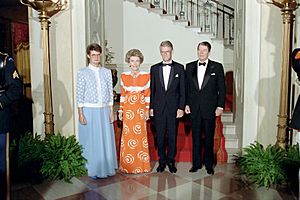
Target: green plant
(55,157)
(26,154)
(62,158)
(263,166)
(30,149)
(292,155)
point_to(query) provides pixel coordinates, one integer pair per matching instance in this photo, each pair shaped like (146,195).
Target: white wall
(251,71)
(239,56)
(36,63)
(230,3)
(261,72)
(270,73)
(228,58)
(129,26)
(145,30)
(67,54)
(78,50)
(114,29)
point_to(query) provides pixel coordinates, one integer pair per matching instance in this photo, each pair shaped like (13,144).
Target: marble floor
(223,185)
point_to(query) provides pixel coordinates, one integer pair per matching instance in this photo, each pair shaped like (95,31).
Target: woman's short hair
(134,52)
(93,47)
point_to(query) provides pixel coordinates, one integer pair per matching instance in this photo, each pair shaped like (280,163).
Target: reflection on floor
(183,185)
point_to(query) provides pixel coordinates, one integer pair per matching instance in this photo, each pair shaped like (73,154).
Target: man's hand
(179,113)
(219,111)
(187,109)
(151,112)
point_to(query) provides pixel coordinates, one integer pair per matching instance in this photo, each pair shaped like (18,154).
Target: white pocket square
(213,74)
(176,75)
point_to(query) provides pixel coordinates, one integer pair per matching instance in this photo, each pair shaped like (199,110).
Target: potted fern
(62,158)
(55,157)
(269,167)
(26,155)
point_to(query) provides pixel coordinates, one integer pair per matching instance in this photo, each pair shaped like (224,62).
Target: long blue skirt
(98,141)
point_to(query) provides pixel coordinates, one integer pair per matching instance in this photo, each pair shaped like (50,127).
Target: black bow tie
(167,64)
(204,63)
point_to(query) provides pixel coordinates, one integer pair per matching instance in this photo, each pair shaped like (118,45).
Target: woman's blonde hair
(134,52)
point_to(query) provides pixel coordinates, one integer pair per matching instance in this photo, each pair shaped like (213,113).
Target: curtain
(23,66)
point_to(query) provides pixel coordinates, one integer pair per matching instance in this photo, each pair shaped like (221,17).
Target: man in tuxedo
(205,85)
(167,103)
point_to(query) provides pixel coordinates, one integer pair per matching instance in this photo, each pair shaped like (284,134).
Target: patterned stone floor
(223,185)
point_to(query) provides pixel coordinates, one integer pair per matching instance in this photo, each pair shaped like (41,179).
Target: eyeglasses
(95,55)
(165,51)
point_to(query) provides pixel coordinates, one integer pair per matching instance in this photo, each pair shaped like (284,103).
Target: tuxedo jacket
(211,94)
(174,97)
(295,121)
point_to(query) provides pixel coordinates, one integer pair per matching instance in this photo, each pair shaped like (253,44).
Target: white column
(251,71)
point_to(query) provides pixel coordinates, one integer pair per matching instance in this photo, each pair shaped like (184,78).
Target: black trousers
(4,181)
(207,126)
(166,126)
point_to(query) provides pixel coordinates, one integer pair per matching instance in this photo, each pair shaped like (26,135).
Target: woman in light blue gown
(94,94)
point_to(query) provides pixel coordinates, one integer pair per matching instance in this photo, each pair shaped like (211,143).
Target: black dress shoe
(161,168)
(210,171)
(194,169)
(172,167)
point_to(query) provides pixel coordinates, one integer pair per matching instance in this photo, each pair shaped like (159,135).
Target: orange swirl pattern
(142,99)
(145,142)
(129,114)
(134,148)
(128,158)
(125,129)
(137,129)
(144,156)
(132,143)
(141,112)
(133,98)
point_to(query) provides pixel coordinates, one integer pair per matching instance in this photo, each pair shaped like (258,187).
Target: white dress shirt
(166,74)
(201,72)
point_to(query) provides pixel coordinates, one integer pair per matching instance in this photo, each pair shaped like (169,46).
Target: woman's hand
(82,119)
(147,117)
(120,115)
(111,117)
(81,116)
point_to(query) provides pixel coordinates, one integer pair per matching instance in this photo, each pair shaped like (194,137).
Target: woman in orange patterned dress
(134,112)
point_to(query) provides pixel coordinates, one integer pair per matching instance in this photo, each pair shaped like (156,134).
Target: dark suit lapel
(195,75)
(209,67)
(171,76)
(161,76)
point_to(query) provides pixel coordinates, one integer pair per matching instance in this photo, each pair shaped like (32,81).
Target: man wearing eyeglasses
(167,101)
